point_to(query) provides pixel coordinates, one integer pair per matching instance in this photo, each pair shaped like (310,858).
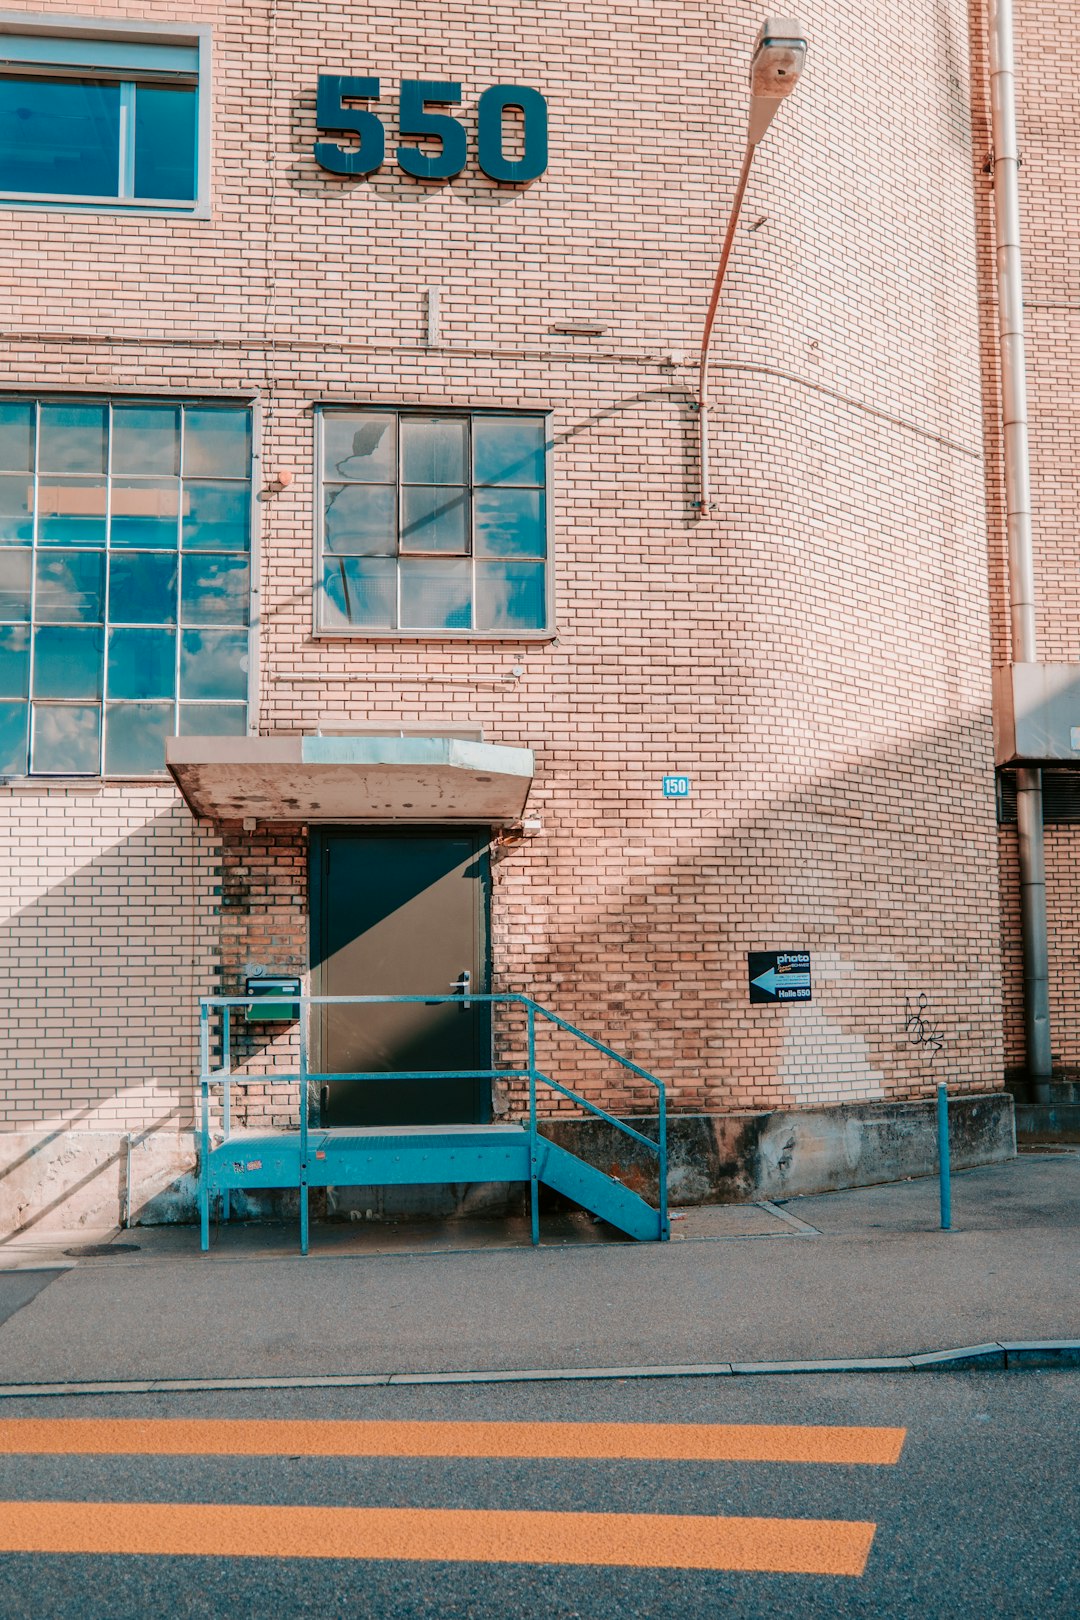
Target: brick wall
(264,929)
(110,936)
(1049,139)
(815,656)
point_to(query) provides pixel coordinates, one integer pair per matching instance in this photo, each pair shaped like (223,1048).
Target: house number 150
(335,117)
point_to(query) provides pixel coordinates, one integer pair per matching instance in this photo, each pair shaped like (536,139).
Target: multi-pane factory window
(98,120)
(124,581)
(434,522)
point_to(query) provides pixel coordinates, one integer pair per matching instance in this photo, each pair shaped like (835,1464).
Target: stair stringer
(596,1192)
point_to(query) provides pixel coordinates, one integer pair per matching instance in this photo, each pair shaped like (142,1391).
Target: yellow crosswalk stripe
(635,1540)
(802,1546)
(667,1442)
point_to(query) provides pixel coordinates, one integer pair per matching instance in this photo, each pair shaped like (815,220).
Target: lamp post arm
(705,500)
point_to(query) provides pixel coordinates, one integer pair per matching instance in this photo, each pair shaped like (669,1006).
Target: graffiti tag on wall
(920,1029)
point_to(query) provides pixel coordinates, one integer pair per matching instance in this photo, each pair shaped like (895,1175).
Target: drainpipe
(1029,805)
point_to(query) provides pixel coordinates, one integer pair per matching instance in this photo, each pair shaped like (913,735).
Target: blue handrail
(224,1076)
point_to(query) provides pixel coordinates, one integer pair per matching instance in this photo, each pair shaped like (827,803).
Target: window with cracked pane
(125,581)
(433,522)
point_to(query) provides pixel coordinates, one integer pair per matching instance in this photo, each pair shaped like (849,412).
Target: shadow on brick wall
(104,971)
(886,872)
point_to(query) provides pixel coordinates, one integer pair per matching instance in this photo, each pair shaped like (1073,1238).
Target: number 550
(333,116)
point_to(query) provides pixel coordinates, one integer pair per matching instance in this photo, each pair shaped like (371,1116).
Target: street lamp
(775,66)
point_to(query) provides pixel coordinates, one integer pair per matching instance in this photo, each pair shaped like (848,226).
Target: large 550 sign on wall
(336,115)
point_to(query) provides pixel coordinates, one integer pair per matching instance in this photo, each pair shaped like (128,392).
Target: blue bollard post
(943,1157)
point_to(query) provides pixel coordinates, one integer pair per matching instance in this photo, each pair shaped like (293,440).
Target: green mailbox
(272,1000)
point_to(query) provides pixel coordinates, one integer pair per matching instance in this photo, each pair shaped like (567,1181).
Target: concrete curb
(1000,1356)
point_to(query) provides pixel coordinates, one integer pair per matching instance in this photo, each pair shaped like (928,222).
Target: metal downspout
(1029,805)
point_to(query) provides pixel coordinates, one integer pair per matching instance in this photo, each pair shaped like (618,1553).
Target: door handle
(464,984)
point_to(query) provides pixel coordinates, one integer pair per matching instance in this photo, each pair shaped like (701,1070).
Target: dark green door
(401,914)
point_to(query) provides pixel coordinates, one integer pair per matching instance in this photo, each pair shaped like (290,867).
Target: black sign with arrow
(779,975)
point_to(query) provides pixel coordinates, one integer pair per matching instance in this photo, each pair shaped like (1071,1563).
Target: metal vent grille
(1061,797)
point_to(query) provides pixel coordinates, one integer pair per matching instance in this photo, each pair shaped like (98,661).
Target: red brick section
(264,929)
(815,656)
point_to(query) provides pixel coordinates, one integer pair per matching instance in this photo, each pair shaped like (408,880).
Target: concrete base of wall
(1049,1112)
(739,1157)
(60,1181)
(1042,1122)
(53,1181)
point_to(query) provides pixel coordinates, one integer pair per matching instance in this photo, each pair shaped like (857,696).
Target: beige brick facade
(110,900)
(816,656)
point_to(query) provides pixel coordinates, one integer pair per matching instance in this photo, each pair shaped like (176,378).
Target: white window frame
(323,632)
(99,33)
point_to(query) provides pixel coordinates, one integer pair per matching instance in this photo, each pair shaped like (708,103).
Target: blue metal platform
(412,1155)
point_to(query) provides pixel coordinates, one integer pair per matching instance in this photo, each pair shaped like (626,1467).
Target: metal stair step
(597,1192)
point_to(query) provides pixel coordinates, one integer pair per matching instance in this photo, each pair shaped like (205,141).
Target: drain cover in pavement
(89,1251)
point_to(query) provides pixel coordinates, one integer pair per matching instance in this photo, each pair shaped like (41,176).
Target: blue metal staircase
(618,1205)
(410,1155)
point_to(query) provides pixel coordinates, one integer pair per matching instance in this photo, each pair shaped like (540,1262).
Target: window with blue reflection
(142,587)
(145,512)
(216,590)
(434,521)
(16,435)
(67,661)
(73,438)
(146,439)
(213,664)
(106,119)
(360,591)
(94,579)
(135,736)
(510,523)
(70,586)
(59,137)
(67,739)
(510,595)
(216,516)
(142,663)
(14,660)
(217,442)
(166,142)
(16,508)
(508,450)
(71,511)
(15,567)
(213,720)
(14,730)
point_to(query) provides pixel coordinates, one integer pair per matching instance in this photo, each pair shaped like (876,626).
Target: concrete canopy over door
(343,779)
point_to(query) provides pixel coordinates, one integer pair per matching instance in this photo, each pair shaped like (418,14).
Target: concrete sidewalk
(863,1273)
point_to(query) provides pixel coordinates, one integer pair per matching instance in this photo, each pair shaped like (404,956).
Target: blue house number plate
(676,787)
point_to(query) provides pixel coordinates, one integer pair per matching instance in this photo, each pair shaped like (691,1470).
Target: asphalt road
(977,1516)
